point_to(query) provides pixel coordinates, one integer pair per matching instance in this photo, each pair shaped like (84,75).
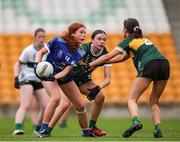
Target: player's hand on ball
(44,71)
(93,93)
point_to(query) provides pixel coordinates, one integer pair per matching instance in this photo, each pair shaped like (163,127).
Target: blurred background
(159,20)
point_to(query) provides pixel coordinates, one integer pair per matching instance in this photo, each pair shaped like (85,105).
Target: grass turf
(114,127)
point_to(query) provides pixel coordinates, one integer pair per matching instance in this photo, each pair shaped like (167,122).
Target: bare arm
(40,54)
(17,68)
(107,77)
(119,58)
(105,58)
(63,73)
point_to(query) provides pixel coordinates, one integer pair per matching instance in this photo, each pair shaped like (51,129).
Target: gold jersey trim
(136,43)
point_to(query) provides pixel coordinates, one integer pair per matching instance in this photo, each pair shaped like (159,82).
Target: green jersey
(88,57)
(89,53)
(141,50)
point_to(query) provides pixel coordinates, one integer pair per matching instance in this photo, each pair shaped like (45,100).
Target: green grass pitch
(114,127)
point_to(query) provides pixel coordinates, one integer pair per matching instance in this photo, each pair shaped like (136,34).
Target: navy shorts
(64,80)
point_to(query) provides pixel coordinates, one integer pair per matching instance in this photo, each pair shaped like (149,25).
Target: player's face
(80,35)
(40,39)
(99,41)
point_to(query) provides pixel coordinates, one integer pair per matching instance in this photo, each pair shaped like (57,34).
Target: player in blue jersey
(62,53)
(87,86)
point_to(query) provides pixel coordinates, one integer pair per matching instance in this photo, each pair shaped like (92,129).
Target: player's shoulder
(58,39)
(81,51)
(124,43)
(29,48)
(86,47)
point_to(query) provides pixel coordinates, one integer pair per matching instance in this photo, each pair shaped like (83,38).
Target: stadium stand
(22,17)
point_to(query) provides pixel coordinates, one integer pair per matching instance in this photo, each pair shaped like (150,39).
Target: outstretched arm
(105,58)
(119,58)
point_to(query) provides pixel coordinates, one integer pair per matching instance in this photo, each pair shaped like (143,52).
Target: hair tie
(136,28)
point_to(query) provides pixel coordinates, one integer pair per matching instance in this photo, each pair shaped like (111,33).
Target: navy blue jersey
(60,55)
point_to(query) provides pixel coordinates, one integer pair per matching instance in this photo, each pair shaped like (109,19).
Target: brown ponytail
(133,28)
(67,36)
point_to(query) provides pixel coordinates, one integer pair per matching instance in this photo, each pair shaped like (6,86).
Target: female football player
(151,66)
(87,86)
(30,85)
(62,53)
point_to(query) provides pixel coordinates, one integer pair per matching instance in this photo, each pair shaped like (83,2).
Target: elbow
(108,82)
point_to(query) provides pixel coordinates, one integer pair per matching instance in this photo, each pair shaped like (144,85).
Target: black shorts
(35,85)
(79,80)
(65,80)
(157,69)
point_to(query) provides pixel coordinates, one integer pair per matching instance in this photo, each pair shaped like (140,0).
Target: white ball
(44,69)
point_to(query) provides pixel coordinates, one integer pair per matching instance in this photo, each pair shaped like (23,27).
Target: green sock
(49,130)
(135,120)
(157,127)
(18,126)
(37,127)
(92,123)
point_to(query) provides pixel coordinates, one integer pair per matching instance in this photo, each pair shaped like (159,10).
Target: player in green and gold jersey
(151,66)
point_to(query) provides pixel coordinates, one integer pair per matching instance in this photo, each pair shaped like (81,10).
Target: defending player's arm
(107,79)
(17,68)
(118,58)
(122,56)
(105,58)
(107,76)
(108,58)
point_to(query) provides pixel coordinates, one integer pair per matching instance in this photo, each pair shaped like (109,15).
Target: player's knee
(100,98)
(80,109)
(25,106)
(153,102)
(24,109)
(66,104)
(55,99)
